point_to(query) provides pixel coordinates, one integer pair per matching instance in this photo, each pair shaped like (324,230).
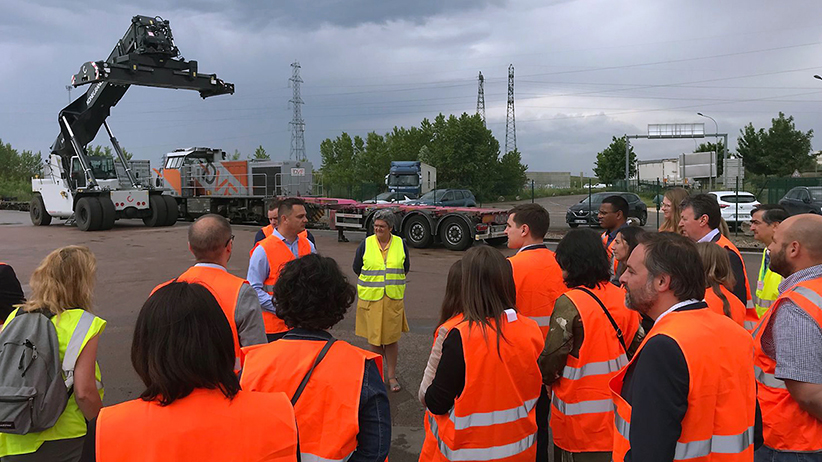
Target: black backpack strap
(610,318)
(317,361)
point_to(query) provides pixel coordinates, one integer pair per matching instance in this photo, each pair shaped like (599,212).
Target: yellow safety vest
(71,423)
(767,287)
(380,277)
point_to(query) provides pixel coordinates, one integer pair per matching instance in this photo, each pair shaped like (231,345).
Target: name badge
(760,285)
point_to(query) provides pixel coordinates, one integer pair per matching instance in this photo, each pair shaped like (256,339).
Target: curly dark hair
(312,293)
(583,258)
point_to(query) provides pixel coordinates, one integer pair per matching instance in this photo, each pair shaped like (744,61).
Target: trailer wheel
(172,213)
(37,211)
(157,205)
(455,234)
(109,213)
(88,214)
(418,232)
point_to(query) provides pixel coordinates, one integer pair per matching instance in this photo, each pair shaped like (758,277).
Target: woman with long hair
(62,287)
(671,209)
(488,367)
(192,408)
(451,307)
(719,281)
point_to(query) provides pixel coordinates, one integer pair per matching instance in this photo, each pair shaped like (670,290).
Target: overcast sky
(585,70)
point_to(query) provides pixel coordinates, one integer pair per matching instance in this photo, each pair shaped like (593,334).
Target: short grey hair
(386,215)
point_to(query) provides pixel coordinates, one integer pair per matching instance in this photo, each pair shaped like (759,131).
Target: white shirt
(530,246)
(710,236)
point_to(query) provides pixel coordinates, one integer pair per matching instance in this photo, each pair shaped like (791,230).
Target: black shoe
(342,239)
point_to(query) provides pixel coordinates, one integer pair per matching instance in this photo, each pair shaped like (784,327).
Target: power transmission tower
(481,98)
(510,119)
(297,123)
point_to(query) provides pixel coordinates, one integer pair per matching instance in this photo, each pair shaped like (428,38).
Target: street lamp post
(716,141)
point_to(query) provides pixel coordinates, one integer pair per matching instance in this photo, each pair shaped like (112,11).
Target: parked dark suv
(447,198)
(803,199)
(578,214)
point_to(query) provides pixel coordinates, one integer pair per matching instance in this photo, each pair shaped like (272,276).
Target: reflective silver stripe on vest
(598,368)
(480,454)
(269,289)
(395,271)
(371,283)
(725,444)
(543,321)
(622,427)
(762,303)
(717,444)
(750,325)
(486,419)
(306,457)
(74,346)
(814,297)
(583,407)
(769,380)
(395,282)
(366,272)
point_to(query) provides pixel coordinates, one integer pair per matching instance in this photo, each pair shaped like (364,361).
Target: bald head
(797,244)
(806,229)
(208,239)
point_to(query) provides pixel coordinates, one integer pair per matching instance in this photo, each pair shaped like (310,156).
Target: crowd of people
(628,345)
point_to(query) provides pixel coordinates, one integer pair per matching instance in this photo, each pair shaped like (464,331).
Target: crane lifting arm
(147,56)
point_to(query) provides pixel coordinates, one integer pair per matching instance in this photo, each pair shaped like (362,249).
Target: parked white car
(728,201)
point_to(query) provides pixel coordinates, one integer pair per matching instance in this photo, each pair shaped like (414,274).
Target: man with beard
(788,342)
(689,392)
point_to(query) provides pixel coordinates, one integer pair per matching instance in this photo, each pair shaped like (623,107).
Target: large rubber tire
(109,213)
(88,213)
(37,211)
(418,232)
(455,234)
(573,225)
(643,218)
(172,213)
(157,205)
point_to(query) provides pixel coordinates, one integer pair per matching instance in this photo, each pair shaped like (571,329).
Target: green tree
(373,162)
(778,151)
(718,148)
(236,156)
(16,170)
(260,153)
(338,164)
(511,176)
(106,151)
(610,163)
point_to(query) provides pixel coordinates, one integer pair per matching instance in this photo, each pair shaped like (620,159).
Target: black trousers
(543,430)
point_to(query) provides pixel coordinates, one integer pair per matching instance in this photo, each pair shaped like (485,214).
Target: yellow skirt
(381,322)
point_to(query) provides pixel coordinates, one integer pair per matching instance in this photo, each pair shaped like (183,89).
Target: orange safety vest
(327,411)
(268,231)
(737,308)
(225,287)
(751,316)
(786,426)
(539,283)
(582,416)
(609,248)
(204,425)
(278,254)
(719,422)
(494,418)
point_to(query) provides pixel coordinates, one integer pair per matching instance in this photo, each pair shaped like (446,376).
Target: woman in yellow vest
(63,285)
(381,262)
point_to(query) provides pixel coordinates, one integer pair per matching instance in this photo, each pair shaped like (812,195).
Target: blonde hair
(723,228)
(676,196)
(64,280)
(717,271)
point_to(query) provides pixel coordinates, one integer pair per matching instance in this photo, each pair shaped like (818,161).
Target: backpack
(33,390)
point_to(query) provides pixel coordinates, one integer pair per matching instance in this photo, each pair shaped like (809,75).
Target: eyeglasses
(229,240)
